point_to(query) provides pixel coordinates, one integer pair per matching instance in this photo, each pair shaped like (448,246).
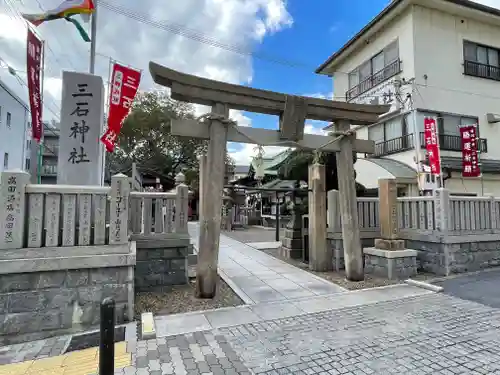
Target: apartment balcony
(475,69)
(374,80)
(406,142)
(50,150)
(48,170)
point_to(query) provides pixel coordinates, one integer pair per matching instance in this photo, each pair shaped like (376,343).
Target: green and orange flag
(67,10)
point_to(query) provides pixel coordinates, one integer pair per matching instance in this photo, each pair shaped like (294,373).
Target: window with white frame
(8,121)
(6,160)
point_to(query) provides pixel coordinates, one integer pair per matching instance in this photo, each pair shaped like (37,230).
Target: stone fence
(452,234)
(64,248)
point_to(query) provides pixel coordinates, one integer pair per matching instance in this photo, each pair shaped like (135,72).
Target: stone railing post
(442,209)
(119,208)
(181,204)
(202,185)
(493,213)
(12,208)
(333,211)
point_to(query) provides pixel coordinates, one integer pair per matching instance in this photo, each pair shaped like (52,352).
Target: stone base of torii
(293,112)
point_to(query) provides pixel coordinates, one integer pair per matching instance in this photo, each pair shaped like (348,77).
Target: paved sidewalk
(168,325)
(257,277)
(424,334)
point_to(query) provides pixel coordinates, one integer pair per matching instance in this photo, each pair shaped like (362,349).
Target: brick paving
(427,334)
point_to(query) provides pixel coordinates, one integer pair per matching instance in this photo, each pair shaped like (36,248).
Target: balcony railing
(395,145)
(50,150)
(49,170)
(475,69)
(453,143)
(404,143)
(375,79)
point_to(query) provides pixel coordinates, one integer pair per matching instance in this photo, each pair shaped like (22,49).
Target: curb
(421,284)
(148,330)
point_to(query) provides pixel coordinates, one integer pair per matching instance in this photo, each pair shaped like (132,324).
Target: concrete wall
(13,138)
(439,40)
(161,262)
(400,29)
(49,291)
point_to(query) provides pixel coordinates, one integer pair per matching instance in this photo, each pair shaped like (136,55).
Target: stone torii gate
(293,112)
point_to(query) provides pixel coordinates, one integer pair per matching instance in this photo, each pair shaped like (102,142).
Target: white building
(451,49)
(14,132)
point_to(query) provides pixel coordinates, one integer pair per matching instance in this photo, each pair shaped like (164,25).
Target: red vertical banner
(123,89)
(470,152)
(432,145)
(34,68)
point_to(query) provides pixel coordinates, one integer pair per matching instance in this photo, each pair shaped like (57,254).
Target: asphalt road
(482,287)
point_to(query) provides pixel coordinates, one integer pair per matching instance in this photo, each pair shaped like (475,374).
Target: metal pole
(39,162)
(93,32)
(277,217)
(40,144)
(107,342)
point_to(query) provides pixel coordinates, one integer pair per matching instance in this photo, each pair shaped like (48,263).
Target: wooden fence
(35,216)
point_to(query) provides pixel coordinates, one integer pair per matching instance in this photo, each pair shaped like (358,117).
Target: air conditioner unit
(492,118)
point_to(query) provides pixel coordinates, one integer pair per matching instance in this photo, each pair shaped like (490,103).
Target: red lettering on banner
(470,159)
(34,67)
(432,145)
(124,84)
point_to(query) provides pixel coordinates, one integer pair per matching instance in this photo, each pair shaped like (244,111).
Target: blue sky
(299,31)
(316,33)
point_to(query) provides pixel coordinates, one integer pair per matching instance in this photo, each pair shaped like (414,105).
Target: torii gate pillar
(206,270)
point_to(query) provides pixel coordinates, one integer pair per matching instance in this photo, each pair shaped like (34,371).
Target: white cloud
(241,23)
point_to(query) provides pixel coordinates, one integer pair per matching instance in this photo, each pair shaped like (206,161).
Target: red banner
(34,68)
(123,88)
(432,145)
(470,154)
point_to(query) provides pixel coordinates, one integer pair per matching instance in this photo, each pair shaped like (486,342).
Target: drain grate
(91,340)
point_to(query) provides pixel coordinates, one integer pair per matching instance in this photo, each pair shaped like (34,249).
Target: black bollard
(277,234)
(107,342)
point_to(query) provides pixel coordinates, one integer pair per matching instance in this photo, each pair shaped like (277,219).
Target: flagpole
(93,32)
(40,143)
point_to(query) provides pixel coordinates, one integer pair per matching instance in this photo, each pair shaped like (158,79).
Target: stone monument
(389,258)
(81,154)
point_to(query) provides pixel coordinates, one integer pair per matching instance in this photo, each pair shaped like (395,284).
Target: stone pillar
(118,212)
(334,240)
(442,210)
(388,216)
(80,157)
(181,204)
(291,243)
(320,256)
(389,258)
(12,208)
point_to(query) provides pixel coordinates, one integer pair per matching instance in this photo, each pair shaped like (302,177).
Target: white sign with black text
(80,152)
